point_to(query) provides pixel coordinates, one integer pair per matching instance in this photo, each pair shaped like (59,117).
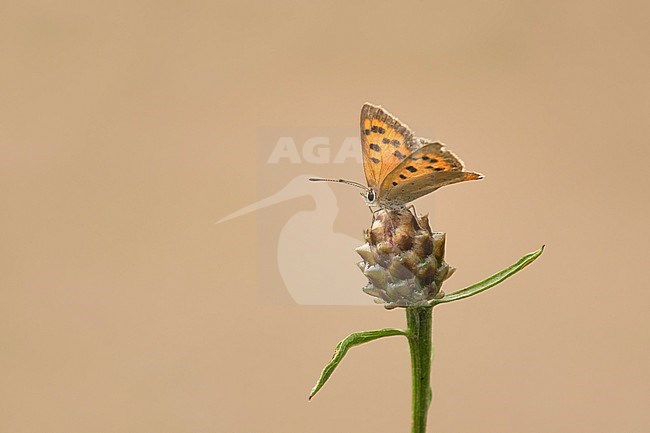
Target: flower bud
(403,260)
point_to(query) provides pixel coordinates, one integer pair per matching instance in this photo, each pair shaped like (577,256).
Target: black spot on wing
(411,169)
(375,160)
(375,147)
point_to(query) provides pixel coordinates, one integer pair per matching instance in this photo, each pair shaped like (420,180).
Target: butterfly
(400,167)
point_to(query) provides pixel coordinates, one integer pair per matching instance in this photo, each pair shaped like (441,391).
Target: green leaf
(342,348)
(490,281)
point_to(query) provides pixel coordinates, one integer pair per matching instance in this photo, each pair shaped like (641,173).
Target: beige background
(128,128)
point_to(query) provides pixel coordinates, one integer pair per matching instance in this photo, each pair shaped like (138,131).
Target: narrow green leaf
(492,280)
(342,348)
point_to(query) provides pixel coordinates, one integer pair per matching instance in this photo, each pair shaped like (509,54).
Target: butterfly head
(370,196)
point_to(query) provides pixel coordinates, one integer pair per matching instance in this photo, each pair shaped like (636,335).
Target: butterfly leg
(374,213)
(414,213)
(412,210)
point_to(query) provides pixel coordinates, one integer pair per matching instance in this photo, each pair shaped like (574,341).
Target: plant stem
(419,320)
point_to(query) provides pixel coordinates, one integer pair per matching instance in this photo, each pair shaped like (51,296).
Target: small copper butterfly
(399,166)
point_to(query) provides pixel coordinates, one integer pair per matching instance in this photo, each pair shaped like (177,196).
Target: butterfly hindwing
(385,143)
(428,168)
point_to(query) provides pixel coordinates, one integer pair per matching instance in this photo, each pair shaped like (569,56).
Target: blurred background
(128,128)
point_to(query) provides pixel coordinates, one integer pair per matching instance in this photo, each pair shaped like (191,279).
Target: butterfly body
(400,167)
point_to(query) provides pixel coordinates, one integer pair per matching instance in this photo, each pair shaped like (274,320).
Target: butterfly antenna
(348,182)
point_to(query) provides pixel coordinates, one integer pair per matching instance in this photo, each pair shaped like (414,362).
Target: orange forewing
(385,143)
